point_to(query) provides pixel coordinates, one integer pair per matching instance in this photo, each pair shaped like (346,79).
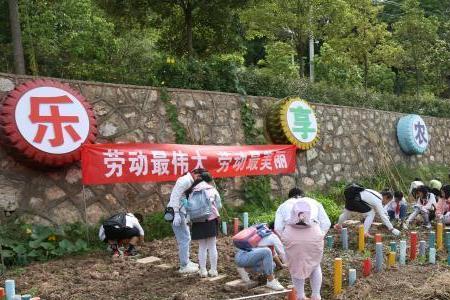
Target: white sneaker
(189,268)
(243,274)
(203,273)
(275,285)
(428,226)
(213,273)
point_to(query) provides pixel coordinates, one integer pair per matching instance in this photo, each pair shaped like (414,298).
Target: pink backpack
(251,236)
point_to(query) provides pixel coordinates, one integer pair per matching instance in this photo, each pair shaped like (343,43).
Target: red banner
(114,163)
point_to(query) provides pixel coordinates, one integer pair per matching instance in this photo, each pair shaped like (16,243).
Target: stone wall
(354,142)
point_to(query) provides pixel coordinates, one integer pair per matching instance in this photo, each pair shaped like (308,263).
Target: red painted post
(413,245)
(292,295)
(367,266)
(378,238)
(236,225)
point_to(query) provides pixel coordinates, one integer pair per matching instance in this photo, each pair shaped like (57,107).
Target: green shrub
(329,204)
(156,227)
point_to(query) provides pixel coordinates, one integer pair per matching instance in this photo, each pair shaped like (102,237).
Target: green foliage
(329,204)
(156,227)
(252,134)
(22,243)
(279,61)
(257,193)
(171,109)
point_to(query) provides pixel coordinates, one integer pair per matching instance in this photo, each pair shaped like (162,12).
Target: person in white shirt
(121,227)
(412,188)
(426,202)
(283,212)
(179,224)
(303,238)
(396,206)
(366,202)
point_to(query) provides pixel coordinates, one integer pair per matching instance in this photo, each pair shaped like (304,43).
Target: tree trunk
(19,60)
(188,24)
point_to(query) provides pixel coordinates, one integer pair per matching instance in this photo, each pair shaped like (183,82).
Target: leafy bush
(22,243)
(329,204)
(155,227)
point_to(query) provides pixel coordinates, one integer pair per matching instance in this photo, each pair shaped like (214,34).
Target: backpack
(353,200)
(117,221)
(301,215)
(250,237)
(198,206)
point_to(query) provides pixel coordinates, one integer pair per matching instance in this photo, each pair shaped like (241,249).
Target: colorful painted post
(10,287)
(2,294)
(432,256)
(361,242)
(344,238)
(367,266)
(439,236)
(337,276)
(393,246)
(413,245)
(330,239)
(422,248)
(292,295)
(26,297)
(235,226)
(351,277)
(447,240)
(402,257)
(432,239)
(224,228)
(448,259)
(245,219)
(378,238)
(17,297)
(379,257)
(391,260)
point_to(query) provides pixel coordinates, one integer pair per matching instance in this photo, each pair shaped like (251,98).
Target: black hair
(423,189)
(199,171)
(398,194)
(271,225)
(295,192)
(446,190)
(139,217)
(417,179)
(206,176)
(386,193)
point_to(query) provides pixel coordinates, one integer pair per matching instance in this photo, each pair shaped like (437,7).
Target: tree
(201,27)
(418,36)
(16,32)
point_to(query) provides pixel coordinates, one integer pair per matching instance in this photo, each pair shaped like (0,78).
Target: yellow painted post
(439,235)
(391,260)
(361,242)
(337,276)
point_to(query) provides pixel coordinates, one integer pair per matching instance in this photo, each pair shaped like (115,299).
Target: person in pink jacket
(206,232)
(443,206)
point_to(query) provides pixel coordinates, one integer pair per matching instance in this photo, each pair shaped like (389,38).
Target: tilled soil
(97,276)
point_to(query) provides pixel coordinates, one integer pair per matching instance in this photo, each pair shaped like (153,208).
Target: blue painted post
(432,239)
(224,228)
(344,238)
(379,257)
(17,297)
(432,257)
(447,240)
(422,248)
(245,219)
(329,241)
(402,258)
(26,297)
(10,289)
(351,277)
(448,259)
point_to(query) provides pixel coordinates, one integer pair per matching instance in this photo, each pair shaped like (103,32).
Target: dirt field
(96,276)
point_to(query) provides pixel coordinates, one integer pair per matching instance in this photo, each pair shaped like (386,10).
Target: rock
(148,260)
(217,278)
(73,175)
(311,154)
(239,284)
(66,213)
(94,213)
(111,200)
(36,203)
(107,129)
(166,189)
(273,184)
(6,85)
(287,182)
(308,181)
(54,193)
(337,168)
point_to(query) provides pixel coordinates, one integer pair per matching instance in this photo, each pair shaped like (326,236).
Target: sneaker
(275,285)
(132,252)
(243,274)
(213,273)
(189,268)
(203,273)
(428,226)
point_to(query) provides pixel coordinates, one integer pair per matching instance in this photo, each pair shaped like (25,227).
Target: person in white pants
(374,203)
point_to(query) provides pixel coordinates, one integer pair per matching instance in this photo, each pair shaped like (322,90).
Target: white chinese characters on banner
(162,163)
